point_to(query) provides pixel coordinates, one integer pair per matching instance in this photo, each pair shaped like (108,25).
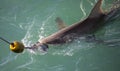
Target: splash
(82,9)
(27,40)
(91,3)
(28,35)
(42,29)
(72,48)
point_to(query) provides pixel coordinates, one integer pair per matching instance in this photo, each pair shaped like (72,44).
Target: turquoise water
(30,20)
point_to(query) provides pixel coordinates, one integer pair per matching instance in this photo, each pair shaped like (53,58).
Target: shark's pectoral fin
(60,23)
(97,10)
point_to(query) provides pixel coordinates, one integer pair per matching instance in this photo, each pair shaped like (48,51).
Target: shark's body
(87,26)
(70,33)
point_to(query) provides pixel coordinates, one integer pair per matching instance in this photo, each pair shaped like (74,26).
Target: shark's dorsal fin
(97,10)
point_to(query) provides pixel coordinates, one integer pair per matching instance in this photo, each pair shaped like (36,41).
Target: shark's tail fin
(97,10)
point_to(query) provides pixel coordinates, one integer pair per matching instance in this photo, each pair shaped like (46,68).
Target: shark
(82,28)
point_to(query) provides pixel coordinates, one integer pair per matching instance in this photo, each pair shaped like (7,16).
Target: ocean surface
(31,20)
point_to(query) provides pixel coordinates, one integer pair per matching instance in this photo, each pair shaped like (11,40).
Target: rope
(5,40)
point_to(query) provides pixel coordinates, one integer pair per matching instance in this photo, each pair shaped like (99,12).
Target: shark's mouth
(43,47)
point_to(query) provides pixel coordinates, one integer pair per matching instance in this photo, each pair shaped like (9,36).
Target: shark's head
(43,47)
(40,46)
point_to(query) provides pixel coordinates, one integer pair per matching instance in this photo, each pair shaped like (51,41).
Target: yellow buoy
(17,47)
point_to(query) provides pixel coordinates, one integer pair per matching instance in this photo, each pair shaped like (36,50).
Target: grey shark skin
(87,26)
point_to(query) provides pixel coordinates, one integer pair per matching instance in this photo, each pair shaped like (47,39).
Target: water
(31,20)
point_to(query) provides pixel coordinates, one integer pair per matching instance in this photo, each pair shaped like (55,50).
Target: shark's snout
(43,47)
